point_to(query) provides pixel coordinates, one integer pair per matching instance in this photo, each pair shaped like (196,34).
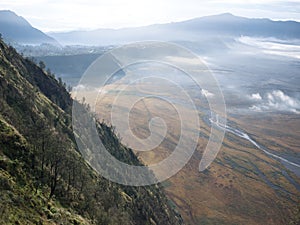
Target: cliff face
(43,178)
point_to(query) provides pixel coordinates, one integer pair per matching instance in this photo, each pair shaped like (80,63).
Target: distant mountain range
(15,29)
(223,25)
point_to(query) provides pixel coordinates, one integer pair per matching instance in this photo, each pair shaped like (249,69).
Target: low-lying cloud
(272,46)
(206,93)
(276,100)
(255,97)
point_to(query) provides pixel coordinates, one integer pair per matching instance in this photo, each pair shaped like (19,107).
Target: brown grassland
(242,186)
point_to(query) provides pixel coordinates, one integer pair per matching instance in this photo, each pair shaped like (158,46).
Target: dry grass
(236,187)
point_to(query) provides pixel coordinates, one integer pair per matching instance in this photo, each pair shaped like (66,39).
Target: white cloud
(273,46)
(255,97)
(79,87)
(206,93)
(279,101)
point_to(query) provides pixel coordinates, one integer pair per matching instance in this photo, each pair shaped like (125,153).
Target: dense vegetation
(43,178)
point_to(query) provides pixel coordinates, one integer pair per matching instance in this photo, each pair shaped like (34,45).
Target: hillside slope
(16,29)
(43,178)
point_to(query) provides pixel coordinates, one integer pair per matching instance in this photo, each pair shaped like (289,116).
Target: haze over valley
(225,86)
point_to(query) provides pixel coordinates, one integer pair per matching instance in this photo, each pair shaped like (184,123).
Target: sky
(66,15)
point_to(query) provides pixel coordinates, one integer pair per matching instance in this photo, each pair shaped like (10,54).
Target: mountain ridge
(221,25)
(16,29)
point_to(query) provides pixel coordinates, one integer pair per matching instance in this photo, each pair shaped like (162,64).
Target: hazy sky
(54,15)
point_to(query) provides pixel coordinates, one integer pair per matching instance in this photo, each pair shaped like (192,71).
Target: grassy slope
(20,202)
(37,152)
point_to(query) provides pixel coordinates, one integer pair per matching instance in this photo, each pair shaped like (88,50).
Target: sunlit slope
(43,177)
